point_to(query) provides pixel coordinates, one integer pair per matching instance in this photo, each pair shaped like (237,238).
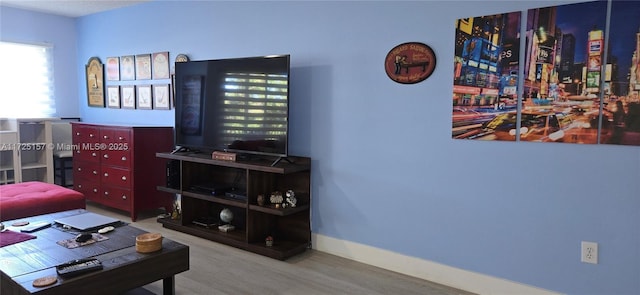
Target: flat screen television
(237,105)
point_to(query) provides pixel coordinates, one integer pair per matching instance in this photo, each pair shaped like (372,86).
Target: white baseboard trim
(423,269)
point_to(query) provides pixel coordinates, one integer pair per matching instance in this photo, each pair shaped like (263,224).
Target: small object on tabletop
(44,281)
(149,242)
(20,223)
(268,241)
(35,226)
(78,267)
(83,237)
(105,230)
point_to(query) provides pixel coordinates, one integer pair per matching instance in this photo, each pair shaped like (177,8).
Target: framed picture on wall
(143,66)
(113,68)
(161,97)
(143,97)
(127,68)
(128,96)
(95,82)
(160,65)
(113,96)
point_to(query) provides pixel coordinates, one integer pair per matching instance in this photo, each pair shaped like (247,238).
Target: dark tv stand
(280,159)
(253,220)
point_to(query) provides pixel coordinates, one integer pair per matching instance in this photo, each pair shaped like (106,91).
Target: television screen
(237,105)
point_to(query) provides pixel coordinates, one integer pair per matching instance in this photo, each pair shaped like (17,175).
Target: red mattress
(35,198)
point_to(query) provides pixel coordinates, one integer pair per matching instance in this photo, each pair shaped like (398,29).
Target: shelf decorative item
(276,199)
(226,215)
(290,200)
(260,200)
(268,241)
(175,215)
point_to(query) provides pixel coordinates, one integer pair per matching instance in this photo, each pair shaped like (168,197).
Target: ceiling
(69,8)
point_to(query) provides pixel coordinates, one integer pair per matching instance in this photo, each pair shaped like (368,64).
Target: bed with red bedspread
(33,198)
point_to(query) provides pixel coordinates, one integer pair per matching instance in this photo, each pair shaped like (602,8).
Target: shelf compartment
(33,166)
(34,174)
(215,199)
(236,238)
(281,249)
(279,211)
(264,165)
(169,190)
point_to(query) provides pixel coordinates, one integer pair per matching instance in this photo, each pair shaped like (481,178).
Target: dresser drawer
(116,197)
(86,170)
(116,177)
(116,157)
(85,134)
(115,135)
(87,152)
(90,189)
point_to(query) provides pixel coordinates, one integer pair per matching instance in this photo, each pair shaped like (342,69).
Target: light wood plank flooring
(219,269)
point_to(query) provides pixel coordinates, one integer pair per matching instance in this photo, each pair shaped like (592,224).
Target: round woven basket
(149,242)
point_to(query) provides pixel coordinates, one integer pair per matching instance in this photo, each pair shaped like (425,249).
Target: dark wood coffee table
(124,268)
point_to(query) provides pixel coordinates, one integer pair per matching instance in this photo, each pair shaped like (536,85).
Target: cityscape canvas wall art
(576,86)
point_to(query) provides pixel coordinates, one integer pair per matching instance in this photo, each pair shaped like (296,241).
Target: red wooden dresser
(116,165)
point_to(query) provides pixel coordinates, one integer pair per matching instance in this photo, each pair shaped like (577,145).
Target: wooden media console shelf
(207,187)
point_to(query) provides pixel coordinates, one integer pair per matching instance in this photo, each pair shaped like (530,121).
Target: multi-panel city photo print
(578,81)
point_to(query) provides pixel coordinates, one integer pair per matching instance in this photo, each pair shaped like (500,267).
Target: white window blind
(26,81)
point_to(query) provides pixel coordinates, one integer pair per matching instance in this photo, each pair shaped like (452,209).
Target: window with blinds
(255,106)
(26,81)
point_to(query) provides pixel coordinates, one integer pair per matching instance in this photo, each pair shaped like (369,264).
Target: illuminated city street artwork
(624,58)
(486,63)
(563,96)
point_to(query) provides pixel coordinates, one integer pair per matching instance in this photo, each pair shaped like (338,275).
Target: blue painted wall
(385,171)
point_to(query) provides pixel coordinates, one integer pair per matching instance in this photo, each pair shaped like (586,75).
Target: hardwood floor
(220,269)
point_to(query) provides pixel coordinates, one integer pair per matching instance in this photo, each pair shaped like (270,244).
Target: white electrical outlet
(589,252)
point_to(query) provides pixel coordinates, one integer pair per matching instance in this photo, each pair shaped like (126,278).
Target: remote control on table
(78,267)
(32,227)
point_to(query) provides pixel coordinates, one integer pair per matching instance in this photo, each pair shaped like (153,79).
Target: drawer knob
(124,197)
(105,137)
(79,169)
(124,158)
(106,193)
(93,154)
(91,135)
(124,178)
(78,133)
(106,174)
(120,137)
(77,151)
(95,190)
(106,156)
(79,185)
(95,172)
